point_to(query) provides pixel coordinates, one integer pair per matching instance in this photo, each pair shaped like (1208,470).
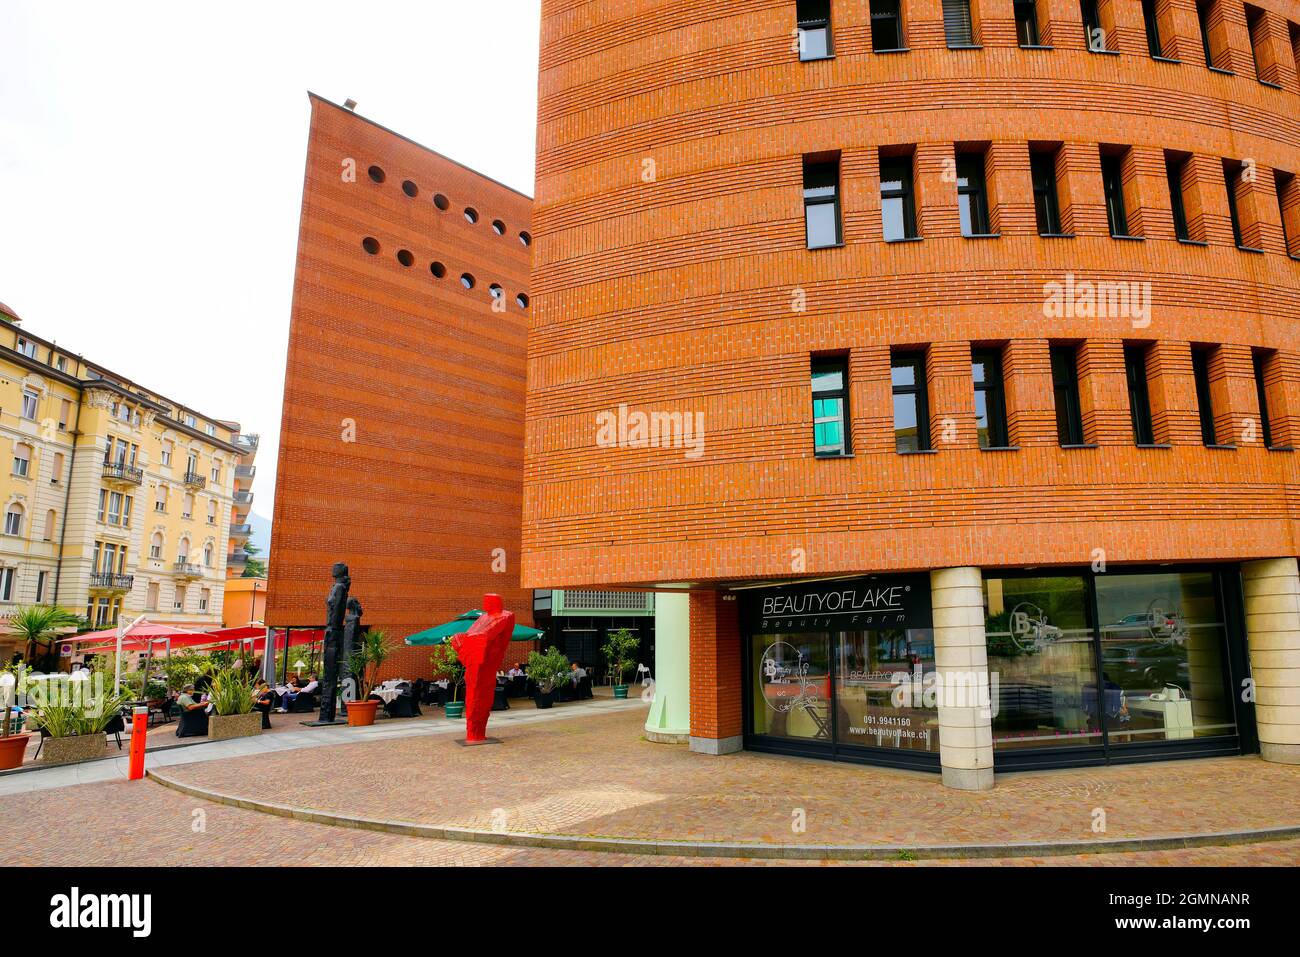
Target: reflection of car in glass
(1145,665)
(1146,625)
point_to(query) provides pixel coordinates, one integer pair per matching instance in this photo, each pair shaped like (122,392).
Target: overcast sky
(151,165)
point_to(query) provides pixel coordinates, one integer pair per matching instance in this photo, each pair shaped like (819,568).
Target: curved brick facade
(671,255)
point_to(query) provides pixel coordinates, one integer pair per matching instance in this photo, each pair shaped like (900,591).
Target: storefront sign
(898,601)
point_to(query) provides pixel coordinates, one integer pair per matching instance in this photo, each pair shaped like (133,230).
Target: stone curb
(727,849)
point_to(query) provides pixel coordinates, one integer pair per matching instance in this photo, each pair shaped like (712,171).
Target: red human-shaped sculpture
(482,650)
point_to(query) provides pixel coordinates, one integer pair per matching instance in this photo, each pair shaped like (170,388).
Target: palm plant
(230,690)
(38,624)
(372,651)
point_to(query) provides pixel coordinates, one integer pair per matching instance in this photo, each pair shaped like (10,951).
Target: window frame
(1151,24)
(1175,169)
(815,194)
(838,364)
(883,16)
(997,429)
(974,193)
(1112,182)
(1139,393)
(919,389)
(1201,356)
(805,24)
(1017,7)
(1258,361)
(1064,362)
(905,193)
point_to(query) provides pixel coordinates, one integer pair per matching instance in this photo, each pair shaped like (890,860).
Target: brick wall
(715,665)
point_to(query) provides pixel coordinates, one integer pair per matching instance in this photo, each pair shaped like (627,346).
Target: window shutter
(957,23)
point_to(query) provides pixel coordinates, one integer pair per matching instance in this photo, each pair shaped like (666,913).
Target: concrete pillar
(1272,591)
(716,722)
(670,714)
(960,654)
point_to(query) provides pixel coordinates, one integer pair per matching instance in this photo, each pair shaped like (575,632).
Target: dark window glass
(1203,9)
(791,678)
(1231,176)
(1152,22)
(1065,387)
(1112,177)
(868,666)
(1261,394)
(821,203)
(972,197)
(990,398)
(1139,401)
(886,26)
(1256,26)
(1026,13)
(814,29)
(1174,168)
(1092,32)
(911,404)
(1046,205)
(830,398)
(1282,182)
(957,26)
(897,202)
(1204,398)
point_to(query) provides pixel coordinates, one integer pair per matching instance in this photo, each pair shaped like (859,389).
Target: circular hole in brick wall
(467,280)
(496,291)
(526,238)
(405,258)
(498,227)
(442,202)
(370,245)
(438,270)
(521,300)
(471,214)
(377,174)
(410,189)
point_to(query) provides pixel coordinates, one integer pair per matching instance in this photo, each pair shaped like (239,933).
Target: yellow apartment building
(116,501)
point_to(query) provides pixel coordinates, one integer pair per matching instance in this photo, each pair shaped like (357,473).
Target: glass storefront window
(791,679)
(1041,661)
(880,689)
(1162,641)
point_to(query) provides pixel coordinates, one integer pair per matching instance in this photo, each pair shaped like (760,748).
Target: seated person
(517,671)
(290,696)
(263,695)
(576,673)
(188,701)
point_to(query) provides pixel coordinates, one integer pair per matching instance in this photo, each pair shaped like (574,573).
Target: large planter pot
(224,726)
(455,709)
(361,714)
(544,699)
(78,747)
(620,691)
(12,749)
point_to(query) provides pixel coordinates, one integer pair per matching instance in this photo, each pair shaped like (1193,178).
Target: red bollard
(139,729)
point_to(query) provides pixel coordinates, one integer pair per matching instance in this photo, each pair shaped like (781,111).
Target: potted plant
(620,651)
(74,715)
(546,670)
(447,667)
(366,661)
(231,693)
(13,742)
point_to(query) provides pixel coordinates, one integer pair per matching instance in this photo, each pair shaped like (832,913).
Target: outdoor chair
(584,688)
(40,744)
(500,700)
(115,727)
(403,706)
(518,687)
(568,691)
(193,724)
(305,703)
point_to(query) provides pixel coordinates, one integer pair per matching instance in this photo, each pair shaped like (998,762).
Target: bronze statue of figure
(351,633)
(336,605)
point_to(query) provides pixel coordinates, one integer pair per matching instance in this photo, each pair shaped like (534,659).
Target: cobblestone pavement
(595,775)
(142,824)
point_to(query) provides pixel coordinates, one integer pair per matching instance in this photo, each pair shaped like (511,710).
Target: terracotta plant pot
(78,747)
(361,714)
(620,691)
(12,749)
(222,727)
(455,709)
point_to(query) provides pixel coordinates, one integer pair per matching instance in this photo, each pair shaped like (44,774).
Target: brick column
(1011,190)
(951,395)
(1272,592)
(1031,405)
(1175,417)
(1103,393)
(961,661)
(716,724)
(1081,193)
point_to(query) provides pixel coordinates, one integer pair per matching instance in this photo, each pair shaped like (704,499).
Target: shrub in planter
(75,715)
(447,667)
(224,726)
(366,661)
(547,669)
(232,693)
(620,651)
(13,743)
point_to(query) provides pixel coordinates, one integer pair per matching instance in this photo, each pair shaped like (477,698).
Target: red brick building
(401,443)
(984,313)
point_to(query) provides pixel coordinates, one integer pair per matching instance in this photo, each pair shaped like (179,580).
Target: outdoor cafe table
(390,690)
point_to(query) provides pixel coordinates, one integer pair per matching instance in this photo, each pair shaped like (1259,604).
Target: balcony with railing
(195,480)
(246,443)
(105,581)
(241,532)
(121,473)
(243,498)
(187,570)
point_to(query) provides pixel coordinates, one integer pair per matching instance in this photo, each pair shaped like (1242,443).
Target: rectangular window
(886,26)
(821,202)
(1257,27)
(972,195)
(1261,393)
(167,453)
(7,584)
(204,596)
(179,603)
(22,460)
(41,579)
(26,347)
(1112,177)
(1026,12)
(1288,205)
(115,508)
(1151,19)
(814,29)
(990,398)
(958,27)
(1139,400)
(1175,169)
(65,413)
(1231,181)
(30,400)
(830,397)
(897,201)
(1047,208)
(103,500)
(1065,387)
(911,403)
(1093,34)
(212,513)
(1204,398)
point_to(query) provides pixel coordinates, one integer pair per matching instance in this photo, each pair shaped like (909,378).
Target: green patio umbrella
(439,634)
